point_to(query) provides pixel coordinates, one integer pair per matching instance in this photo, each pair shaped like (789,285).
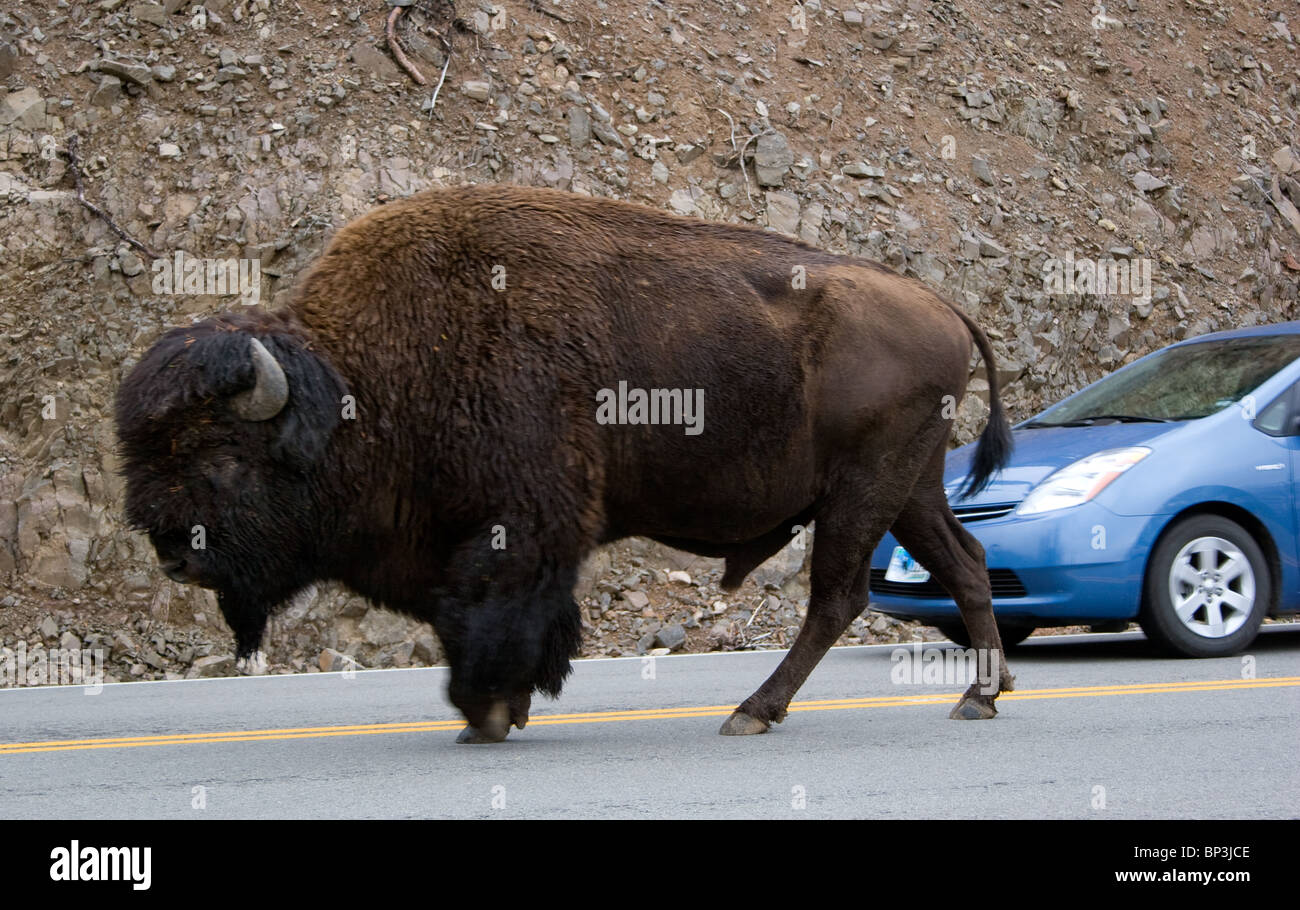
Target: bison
(432,422)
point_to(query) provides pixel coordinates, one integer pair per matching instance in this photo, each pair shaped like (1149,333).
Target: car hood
(1038,452)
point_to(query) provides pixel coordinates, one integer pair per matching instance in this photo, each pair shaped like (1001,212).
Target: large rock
(783,566)
(671,636)
(862,169)
(24,108)
(1208,239)
(332,661)
(980,168)
(783,212)
(595,567)
(579,127)
(1284,159)
(686,201)
(213,665)
(635,600)
(368,58)
(382,627)
(426,648)
(152,13)
(1149,218)
(137,73)
(107,93)
(606,134)
(772,159)
(1148,183)
(8,59)
(55,526)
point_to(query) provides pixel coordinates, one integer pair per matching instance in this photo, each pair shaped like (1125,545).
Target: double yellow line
(604,717)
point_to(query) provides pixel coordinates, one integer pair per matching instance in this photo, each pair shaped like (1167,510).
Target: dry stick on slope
(445,39)
(390,32)
(739,153)
(74,164)
(743,146)
(537,7)
(437,88)
(733,126)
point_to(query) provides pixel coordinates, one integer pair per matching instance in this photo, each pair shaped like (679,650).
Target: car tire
(1011,634)
(1207,588)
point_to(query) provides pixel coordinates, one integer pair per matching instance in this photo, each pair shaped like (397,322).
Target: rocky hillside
(976,145)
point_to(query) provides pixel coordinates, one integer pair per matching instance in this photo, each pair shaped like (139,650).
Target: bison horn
(268,395)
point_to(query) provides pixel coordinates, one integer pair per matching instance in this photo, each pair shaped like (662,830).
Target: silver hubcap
(1212,587)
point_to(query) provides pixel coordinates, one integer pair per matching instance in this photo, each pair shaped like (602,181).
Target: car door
(1280,421)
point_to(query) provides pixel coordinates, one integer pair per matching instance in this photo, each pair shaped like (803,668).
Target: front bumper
(1078,565)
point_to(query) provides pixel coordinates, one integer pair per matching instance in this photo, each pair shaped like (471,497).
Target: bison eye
(225,473)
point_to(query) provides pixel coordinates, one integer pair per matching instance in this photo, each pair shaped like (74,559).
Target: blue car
(1164,493)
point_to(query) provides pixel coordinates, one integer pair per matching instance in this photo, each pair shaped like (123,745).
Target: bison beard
(420,425)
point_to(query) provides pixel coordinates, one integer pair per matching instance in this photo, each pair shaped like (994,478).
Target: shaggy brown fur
(475,474)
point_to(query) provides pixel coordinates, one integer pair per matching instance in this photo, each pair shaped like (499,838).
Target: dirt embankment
(967,143)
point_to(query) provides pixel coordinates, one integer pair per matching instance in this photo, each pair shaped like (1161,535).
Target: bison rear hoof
(519,707)
(973,709)
(741,724)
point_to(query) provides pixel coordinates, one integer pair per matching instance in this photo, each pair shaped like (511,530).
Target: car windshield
(1179,383)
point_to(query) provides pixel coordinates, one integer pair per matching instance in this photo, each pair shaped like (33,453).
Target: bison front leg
(504,649)
(248,621)
(828,617)
(846,534)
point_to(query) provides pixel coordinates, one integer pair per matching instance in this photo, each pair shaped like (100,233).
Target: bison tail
(993,450)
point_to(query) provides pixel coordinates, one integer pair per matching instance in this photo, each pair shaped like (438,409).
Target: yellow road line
(593,717)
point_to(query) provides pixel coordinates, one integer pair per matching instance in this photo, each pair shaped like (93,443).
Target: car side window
(1275,419)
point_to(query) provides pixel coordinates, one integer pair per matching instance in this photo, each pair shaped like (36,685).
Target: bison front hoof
(474,736)
(252,665)
(741,724)
(973,709)
(492,729)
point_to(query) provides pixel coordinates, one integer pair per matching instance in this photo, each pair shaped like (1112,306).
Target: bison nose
(175,570)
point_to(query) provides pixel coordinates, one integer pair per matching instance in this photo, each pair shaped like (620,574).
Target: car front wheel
(1207,588)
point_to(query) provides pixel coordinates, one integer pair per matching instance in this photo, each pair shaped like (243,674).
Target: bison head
(224,428)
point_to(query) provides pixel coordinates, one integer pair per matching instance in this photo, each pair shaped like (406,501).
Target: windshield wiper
(1094,418)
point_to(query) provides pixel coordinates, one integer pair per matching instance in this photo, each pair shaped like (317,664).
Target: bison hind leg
(519,705)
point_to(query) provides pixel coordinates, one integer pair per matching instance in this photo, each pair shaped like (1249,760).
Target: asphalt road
(1099,727)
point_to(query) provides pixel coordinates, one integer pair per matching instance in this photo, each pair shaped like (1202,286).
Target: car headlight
(1080,482)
